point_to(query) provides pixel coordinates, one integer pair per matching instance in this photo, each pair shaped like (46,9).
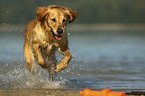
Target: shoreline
(56,92)
(31,92)
(82,27)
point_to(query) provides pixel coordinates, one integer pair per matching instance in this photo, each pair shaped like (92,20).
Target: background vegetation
(89,11)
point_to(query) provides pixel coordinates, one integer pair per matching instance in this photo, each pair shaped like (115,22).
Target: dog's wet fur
(44,35)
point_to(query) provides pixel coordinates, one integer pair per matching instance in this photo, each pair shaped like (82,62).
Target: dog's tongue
(57,38)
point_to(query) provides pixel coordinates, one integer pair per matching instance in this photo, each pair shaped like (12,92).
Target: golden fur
(44,35)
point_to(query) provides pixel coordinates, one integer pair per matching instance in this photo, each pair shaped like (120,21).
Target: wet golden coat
(42,38)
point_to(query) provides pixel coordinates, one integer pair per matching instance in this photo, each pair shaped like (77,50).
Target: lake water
(101,59)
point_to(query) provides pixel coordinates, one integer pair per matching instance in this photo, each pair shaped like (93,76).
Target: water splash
(19,77)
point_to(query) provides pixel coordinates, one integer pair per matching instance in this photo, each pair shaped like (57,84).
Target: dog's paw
(44,66)
(60,67)
(41,62)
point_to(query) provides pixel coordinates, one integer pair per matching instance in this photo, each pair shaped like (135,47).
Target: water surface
(101,59)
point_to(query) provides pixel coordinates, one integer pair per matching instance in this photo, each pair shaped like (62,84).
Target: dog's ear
(72,15)
(41,13)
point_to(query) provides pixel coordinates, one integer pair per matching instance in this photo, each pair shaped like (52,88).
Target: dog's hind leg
(29,56)
(52,67)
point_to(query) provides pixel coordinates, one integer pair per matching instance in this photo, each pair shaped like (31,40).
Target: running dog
(44,35)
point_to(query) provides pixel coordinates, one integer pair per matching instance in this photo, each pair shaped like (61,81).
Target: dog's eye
(64,20)
(53,20)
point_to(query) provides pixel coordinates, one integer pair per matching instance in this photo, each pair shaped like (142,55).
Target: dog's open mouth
(57,37)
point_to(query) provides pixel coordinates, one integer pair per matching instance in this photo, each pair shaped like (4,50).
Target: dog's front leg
(37,52)
(63,64)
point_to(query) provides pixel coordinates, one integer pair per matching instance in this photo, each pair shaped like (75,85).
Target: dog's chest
(50,49)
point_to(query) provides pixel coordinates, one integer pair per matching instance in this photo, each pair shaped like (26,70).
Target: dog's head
(56,17)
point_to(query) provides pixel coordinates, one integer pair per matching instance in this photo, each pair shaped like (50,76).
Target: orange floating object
(104,92)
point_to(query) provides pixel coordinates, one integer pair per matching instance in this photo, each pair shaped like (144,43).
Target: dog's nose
(59,31)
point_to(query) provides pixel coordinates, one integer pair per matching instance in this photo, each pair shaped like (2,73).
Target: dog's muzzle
(59,35)
(59,31)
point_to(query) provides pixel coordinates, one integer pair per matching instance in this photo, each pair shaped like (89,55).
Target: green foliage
(89,11)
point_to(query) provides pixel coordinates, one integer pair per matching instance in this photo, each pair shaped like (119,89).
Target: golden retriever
(44,35)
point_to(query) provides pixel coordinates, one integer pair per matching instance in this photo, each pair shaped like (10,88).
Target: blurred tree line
(89,11)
